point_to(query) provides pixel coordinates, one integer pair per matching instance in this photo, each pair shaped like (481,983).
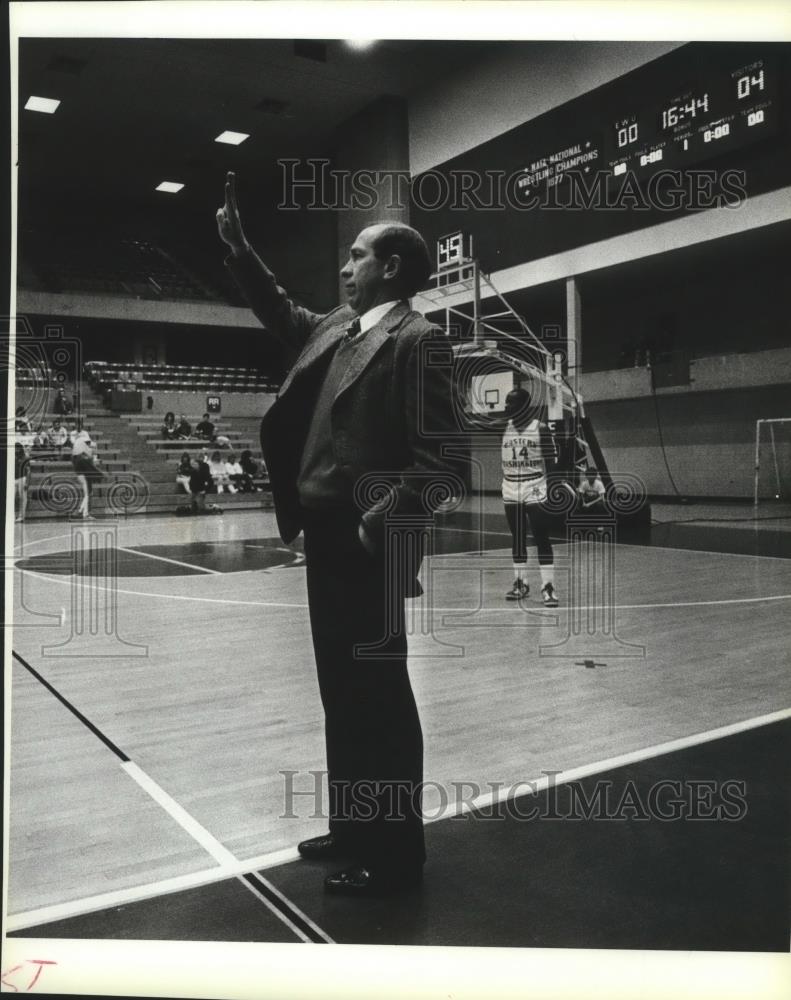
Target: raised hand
(229,224)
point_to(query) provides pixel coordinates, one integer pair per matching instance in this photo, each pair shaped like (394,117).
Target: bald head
(387,261)
(396,239)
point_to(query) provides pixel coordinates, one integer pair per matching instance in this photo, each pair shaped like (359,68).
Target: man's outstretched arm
(289,323)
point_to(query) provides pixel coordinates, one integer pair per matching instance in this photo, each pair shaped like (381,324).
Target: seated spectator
(184,472)
(250,468)
(591,492)
(21,421)
(169,428)
(26,440)
(249,464)
(200,483)
(63,405)
(219,475)
(57,435)
(205,429)
(236,475)
(40,440)
(184,427)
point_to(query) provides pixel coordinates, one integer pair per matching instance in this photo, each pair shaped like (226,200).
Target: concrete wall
(708,427)
(723,372)
(709,438)
(511,86)
(234,404)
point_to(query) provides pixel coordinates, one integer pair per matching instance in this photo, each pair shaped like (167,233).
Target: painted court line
(611,763)
(179,883)
(39,541)
(169,597)
(263,899)
(220,853)
(471,531)
(467,611)
(107,900)
(474,531)
(176,562)
(626,545)
(140,893)
(271,888)
(704,552)
(187,822)
(636,607)
(274,900)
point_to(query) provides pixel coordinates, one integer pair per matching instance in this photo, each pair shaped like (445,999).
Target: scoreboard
(717,113)
(718,109)
(724,108)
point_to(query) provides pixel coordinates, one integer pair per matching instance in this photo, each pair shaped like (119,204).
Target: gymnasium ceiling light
(232,138)
(46,104)
(172,187)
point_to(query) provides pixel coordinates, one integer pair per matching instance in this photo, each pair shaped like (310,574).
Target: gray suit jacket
(392,414)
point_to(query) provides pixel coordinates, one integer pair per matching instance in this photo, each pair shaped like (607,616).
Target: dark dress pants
(373,734)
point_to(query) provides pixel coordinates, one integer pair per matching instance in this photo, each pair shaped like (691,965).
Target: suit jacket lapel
(316,346)
(371,343)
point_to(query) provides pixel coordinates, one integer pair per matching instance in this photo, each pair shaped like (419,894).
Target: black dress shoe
(360,881)
(321,848)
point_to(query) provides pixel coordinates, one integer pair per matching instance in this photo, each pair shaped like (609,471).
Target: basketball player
(528,455)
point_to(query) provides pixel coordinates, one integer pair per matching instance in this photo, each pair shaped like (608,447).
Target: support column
(375,140)
(573,332)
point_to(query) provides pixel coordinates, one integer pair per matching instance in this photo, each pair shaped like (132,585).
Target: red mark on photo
(27,974)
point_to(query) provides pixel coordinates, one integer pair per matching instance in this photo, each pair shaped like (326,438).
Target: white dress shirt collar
(372,317)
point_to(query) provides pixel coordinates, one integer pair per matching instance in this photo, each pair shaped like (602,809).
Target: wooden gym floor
(149,761)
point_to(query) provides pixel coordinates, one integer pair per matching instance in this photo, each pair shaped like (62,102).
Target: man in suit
(354,446)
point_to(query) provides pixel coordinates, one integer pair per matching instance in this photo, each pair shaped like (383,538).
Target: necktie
(353,329)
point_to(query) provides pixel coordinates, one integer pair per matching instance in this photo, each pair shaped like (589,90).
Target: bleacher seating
(160,467)
(140,466)
(118,265)
(103,375)
(41,375)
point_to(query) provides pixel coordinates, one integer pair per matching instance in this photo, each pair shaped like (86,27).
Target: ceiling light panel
(232,138)
(48,105)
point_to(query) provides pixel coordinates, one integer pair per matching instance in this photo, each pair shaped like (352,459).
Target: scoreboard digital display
(628,154)
(450,250)
(718,113)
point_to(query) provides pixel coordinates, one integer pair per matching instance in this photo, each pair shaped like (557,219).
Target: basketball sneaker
(519,591)
(548,593)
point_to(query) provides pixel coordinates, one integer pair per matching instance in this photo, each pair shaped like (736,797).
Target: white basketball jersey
(524,465)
